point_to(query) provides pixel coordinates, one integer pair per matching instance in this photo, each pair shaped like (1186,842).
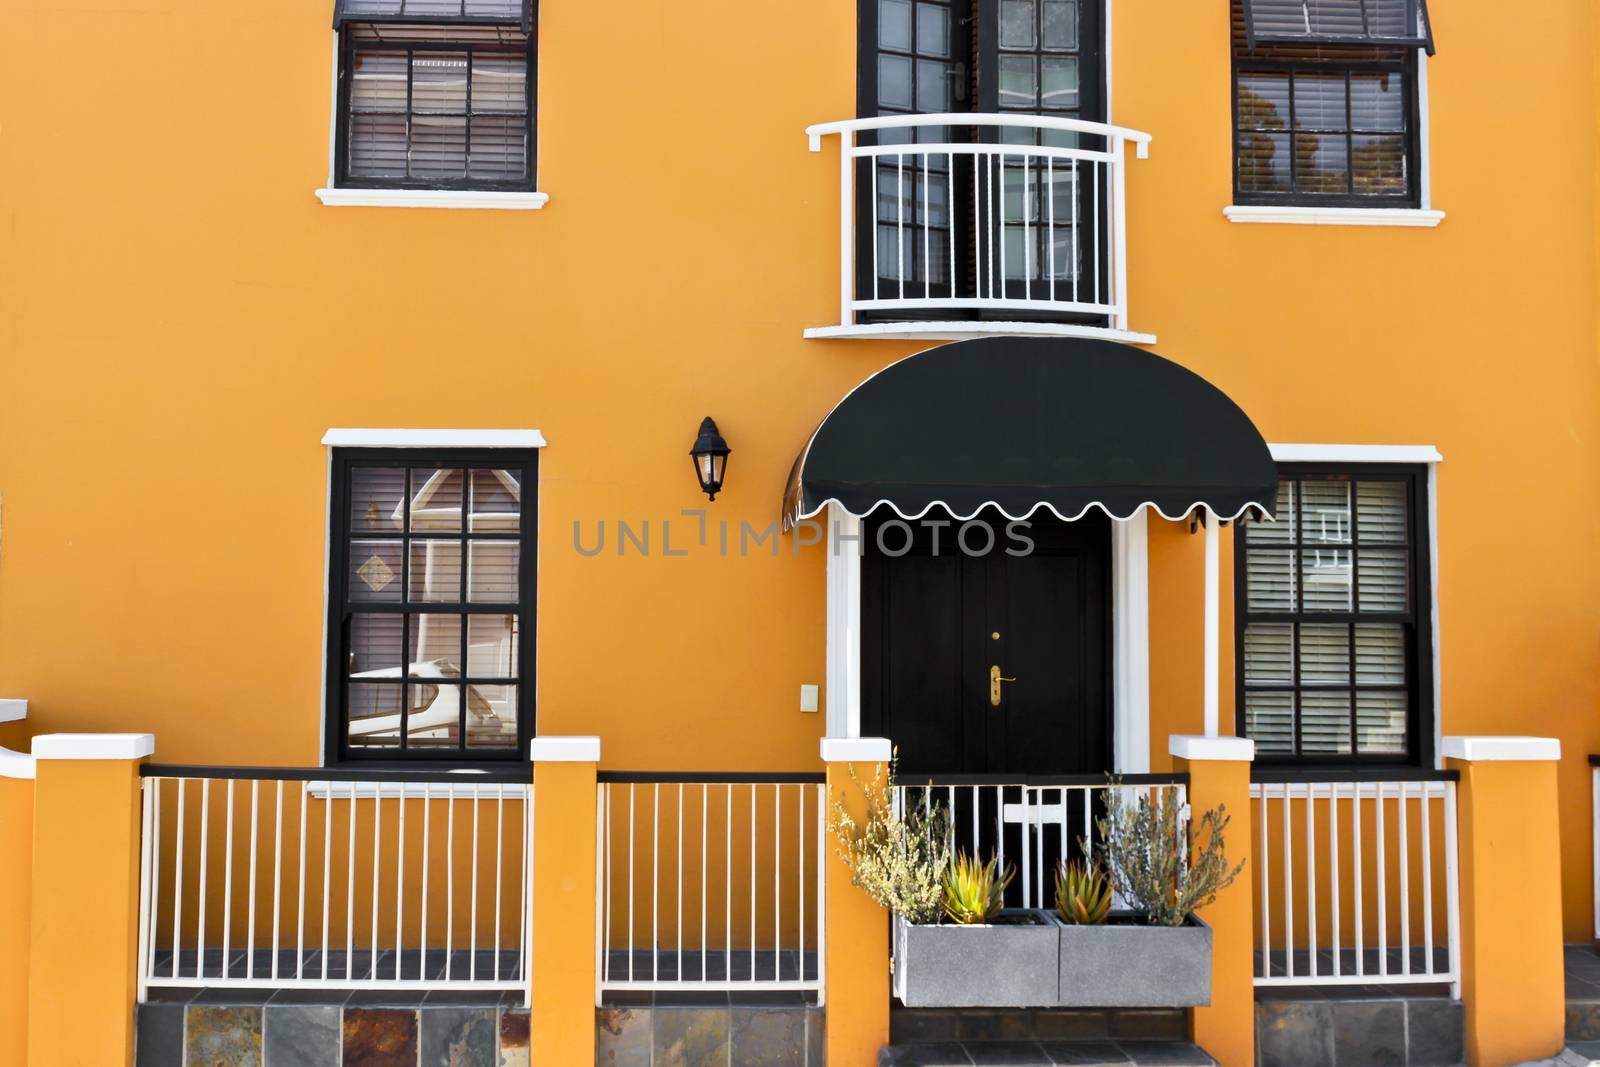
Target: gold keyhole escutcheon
(996,679)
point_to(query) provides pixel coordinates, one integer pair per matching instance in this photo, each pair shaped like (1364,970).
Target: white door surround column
(843,546)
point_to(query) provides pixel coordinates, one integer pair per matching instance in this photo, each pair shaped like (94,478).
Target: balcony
(981,224)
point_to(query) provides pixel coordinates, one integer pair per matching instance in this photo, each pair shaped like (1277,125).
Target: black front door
(938,625)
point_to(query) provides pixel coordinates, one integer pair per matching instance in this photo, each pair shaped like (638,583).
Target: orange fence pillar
(82,980)
(565,899)
(1219,776)
(1510,871)
(855,954)
(16,890)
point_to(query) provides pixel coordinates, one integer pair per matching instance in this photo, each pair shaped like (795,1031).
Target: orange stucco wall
(181,320)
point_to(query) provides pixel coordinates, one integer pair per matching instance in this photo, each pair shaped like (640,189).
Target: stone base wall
(744,1030)
(286,1031)
(1357,1031)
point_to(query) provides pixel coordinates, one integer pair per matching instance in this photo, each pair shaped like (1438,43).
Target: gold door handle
(995,678)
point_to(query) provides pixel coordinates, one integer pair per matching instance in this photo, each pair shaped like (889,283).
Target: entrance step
(1128,1053)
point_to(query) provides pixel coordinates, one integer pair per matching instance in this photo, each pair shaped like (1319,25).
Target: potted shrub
(1156,953)
(954,943)
(978,953)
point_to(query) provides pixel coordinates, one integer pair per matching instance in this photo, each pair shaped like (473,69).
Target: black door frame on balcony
(975,52)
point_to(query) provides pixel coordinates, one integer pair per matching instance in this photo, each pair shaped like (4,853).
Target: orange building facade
(242,278)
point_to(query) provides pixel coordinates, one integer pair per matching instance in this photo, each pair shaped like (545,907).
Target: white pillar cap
(1201,747)
(94,746)
(856,750)
(565,750)
(1501,749)
(13,710)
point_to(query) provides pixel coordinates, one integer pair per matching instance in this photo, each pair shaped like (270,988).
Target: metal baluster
(655,884)
(427,819)
(450,881)
(899,235)
(499,855)
(377,851)
(277,876)
(1402,848)
(327,869)
(399,878)
(472,940)
(1383,888)
(1288,886)
(177,884)
(250,920)
(1333,852)
(1427,882)
(350,888)
(1311,875)
(205,835)
(227,881)
(705,811)
(1357,881)
(1266,892)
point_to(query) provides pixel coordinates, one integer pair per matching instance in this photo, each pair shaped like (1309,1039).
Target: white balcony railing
(1356,881)
(265,877)
(981,223)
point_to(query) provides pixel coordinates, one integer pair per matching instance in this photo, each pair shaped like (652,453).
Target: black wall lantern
(710,455)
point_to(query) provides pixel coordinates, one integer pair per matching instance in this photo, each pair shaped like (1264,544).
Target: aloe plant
(973,892)
(1083,894)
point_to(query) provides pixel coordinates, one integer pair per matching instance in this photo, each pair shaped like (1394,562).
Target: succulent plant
(973,892)
(1083,894)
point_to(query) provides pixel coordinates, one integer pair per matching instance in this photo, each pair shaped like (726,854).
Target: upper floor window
(1325,101)
(435,94)
(431,604)
(1332,610)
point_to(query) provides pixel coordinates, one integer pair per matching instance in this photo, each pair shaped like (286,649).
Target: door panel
(929,626)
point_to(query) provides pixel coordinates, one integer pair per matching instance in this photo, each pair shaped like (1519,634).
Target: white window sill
(1335,216)
(455,198)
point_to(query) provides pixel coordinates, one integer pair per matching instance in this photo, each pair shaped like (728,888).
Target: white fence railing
(1356,881)
(1035,822)
(255,877)
(710,882)
(973,213)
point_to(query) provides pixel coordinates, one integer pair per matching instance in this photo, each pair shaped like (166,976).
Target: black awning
(1380,23)
(1027,423)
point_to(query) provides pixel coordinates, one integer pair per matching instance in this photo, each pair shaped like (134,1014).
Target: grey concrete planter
(992,966)
(1130,965)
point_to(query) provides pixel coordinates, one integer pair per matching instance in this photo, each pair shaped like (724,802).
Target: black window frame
(1322,57)
(336,749)
(1417,623)
(342,179)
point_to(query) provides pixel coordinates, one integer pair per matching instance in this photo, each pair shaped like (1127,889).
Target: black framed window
(436,94)
(1324,123)
(1332,602)
(431,604)
(1024,57)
